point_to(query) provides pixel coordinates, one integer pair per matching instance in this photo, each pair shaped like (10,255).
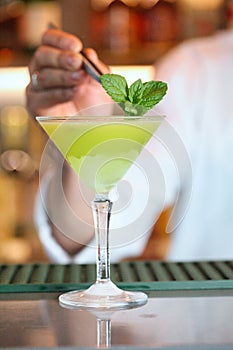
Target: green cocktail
(101,150)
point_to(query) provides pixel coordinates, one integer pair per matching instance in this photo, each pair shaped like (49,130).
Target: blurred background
(130,35)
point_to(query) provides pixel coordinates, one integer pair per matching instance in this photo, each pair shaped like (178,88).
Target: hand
(63,86)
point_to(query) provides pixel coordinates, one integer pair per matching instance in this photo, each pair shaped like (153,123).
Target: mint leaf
(135,91)
(116,86)
(136,99)
(153,92)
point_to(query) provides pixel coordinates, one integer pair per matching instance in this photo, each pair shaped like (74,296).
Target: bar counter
(190,306)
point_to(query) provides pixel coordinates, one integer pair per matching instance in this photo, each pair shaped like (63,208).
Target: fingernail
(75,75)
(70,60)
(73,62)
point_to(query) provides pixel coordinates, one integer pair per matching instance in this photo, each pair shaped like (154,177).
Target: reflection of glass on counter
(180,322)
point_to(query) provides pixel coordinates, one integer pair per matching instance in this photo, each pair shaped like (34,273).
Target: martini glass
(101,150)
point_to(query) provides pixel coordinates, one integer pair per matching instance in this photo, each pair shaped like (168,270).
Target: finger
(39,100)
(61,40)
(47,56)
(93,56)
(58,78)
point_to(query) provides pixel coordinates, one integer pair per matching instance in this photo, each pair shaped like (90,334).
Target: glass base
(103,295)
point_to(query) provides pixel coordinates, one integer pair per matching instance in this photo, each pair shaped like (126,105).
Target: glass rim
(92,118)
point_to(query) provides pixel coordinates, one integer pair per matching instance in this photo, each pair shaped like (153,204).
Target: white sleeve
(53,250)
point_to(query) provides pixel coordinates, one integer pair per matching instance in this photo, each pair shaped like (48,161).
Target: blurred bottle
(162,23)
(34,21)
(119,27)
(116,28)
(230,14)
(10,11)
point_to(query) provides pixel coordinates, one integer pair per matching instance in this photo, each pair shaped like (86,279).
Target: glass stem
(101,208)
(103,333)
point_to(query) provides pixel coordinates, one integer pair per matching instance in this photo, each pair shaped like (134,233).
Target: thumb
(93,56)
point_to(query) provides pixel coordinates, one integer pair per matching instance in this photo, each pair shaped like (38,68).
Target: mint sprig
(138,98)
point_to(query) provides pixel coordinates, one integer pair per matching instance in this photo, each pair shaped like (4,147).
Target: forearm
(69,211)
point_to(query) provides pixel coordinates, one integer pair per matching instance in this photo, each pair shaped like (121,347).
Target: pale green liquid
(100,152)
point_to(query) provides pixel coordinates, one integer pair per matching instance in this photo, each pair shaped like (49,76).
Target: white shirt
(192,163)
(199,103)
